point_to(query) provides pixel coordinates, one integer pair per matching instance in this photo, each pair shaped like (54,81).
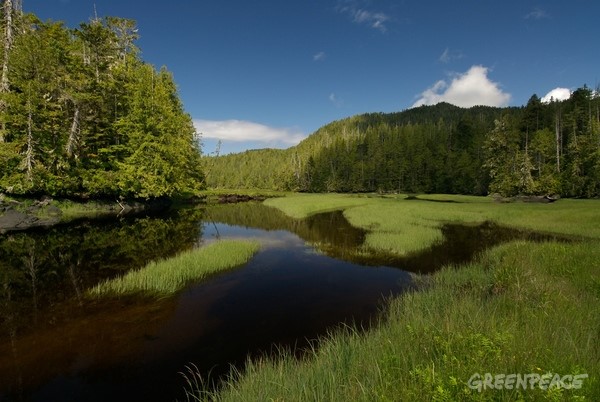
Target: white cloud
(335,100)
(247,131)
(319,56)
(447,56)
(465,90)
(360,15)
(537,14)
(557,94)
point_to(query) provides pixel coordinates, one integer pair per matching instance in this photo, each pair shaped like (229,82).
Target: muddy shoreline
(17,214)
(26,213)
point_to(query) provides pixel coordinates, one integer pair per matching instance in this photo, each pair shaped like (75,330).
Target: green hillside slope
(536,149)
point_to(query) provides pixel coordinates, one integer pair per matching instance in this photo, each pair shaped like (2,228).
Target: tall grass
(302,205)
(522,308)
(71,210)
(165,277)
(409,239)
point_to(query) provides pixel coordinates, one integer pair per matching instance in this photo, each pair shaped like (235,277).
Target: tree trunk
(558,141)
(29,158)
(73,140)
(8,39)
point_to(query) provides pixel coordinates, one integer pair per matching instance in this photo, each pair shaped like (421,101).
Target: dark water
(56,345)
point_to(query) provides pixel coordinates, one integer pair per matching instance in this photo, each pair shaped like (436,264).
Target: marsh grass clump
(166,277)
(300,206)
(413,238)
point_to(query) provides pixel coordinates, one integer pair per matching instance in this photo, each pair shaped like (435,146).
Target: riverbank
(22,213)
(26,213)
(521,309)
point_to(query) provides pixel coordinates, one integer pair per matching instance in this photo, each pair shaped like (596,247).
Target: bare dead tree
(74,132)
(29,154)
(211,162)
(8,40)
(557,132)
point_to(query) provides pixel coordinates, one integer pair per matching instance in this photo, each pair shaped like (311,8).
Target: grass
(166,277)
(302,205)
(520,308)
(402,226)
(410,239)
(73,210)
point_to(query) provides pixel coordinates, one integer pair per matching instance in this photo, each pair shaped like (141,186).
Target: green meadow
(519,309)
(400,225)
(166,277)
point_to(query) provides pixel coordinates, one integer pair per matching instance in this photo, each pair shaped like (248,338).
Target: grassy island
(166,277)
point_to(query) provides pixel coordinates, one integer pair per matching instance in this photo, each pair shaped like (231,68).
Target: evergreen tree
(85,116)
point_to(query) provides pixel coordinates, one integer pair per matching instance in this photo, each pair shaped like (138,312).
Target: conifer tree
(86,117)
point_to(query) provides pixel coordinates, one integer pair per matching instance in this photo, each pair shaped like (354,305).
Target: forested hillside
(540,148)
(82,115)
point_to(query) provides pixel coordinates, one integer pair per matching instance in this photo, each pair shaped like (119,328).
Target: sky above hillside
(267,73)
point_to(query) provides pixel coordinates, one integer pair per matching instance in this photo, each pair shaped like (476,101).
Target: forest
(542,148)
(83,116)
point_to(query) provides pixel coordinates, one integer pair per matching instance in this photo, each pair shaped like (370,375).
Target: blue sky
(267,73)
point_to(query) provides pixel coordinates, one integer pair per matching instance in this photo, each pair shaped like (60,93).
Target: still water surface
(55,344)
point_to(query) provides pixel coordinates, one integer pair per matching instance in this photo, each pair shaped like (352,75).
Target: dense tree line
(82,115)
(540,148)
